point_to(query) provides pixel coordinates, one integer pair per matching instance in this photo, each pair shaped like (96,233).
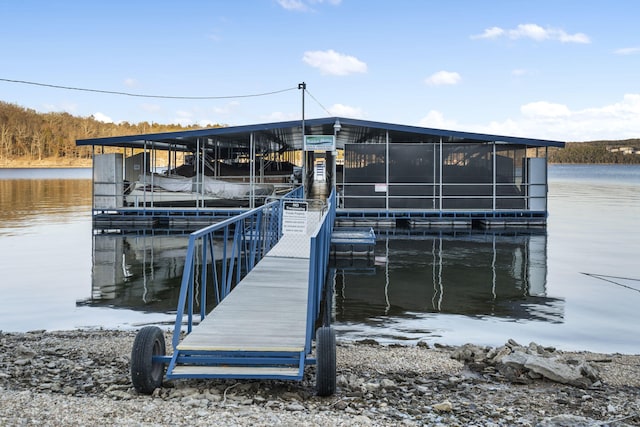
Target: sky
(549,69)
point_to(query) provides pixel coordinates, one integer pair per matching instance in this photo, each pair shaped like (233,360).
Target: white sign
(319,142)
(294,218)
(380,188)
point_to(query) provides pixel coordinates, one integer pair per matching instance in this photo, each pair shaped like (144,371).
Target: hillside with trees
(31,138)
(620,152)
(27,136)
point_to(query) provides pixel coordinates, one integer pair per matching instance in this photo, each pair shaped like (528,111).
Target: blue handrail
(319,260)
(242,241)
(246,238)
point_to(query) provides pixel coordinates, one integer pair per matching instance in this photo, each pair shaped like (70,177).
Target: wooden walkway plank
(235,371)
(265,312)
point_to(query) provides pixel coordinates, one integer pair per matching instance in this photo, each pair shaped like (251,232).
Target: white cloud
(342,110)
(102,118)
(332,62)
(293,5)
(304,6)
(490,33)
(531,31)
(130,82)
(573,38)
(627,51)
(548,120)
(435,119)
(545,109)
(534,32)
(509,127)
(443,78)
(519,72)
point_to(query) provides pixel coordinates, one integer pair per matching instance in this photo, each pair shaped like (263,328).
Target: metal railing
(449,196)
(318,262)
(220,255)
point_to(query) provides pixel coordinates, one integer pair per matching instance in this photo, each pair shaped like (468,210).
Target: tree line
(595,152)
(26,134)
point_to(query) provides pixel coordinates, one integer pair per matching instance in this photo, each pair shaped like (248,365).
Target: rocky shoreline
(82,378)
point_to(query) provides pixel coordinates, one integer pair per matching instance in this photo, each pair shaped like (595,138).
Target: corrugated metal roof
(288,135)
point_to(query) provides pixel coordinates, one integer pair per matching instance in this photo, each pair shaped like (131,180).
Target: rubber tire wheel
(325,361)
(147,375)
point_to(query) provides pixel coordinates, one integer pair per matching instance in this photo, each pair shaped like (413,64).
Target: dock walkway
(265,316)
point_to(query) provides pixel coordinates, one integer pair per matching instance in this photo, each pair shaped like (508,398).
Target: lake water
(574,286)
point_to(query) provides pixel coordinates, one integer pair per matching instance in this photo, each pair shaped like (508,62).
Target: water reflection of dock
(499,274)
(140,271)
(473,274)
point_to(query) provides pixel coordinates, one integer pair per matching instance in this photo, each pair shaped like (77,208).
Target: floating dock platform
(353,242)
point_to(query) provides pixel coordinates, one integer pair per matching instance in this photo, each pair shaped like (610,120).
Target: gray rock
(566,420)
(118,394)
(445,406)
(22,362)
(557,371)
(512,343)
(497,355)
(469,353)
(194,402)
(589,371)
(371,387)
(387,383)
(341,381)
(295,407)
(355,382)
(341,405)
(517,359)
(523,364)
(361,420)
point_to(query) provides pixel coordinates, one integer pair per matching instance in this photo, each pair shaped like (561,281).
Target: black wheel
(147,375)
(325,361)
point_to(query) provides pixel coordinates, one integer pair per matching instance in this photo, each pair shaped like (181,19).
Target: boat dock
(240,183)
(263,326)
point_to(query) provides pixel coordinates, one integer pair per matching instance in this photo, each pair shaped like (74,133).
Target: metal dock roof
(288,135)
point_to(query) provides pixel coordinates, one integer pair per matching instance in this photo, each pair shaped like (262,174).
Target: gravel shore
(82,378)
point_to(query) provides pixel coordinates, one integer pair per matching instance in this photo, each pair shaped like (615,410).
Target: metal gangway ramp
(263,326)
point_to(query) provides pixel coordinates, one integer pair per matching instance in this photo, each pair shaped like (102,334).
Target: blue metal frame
(252,235)
(407,214)
(319,261)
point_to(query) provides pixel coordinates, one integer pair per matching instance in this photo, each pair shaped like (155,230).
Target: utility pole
(303,87)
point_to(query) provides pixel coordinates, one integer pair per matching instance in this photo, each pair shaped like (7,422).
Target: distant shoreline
(45,163)
(57,163)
